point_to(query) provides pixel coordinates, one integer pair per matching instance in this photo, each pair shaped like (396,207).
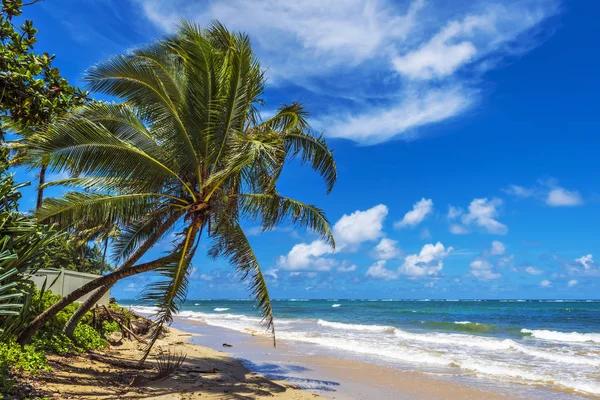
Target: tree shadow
(83,377)
(285,373)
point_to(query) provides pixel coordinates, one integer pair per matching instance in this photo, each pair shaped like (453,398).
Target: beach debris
(167,363)
(227,345)
(114,337)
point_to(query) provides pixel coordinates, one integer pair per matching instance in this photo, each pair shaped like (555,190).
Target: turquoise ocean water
(552,343)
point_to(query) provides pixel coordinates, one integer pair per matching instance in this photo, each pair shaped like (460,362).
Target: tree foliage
(185,146)
(32,91)
(23,244)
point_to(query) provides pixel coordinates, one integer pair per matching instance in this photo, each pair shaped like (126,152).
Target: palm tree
(186,146)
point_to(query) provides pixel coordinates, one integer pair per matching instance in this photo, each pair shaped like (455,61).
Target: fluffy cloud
(346,267)
(545,283)
(548,191)
(483,270)
(379,271)
(421,209)
(386,249)
(498,248)
(531,270)
(561,197)
(305,256)
(360,226)
(406,54)
(457,229)
(427,263)
(586,261)
(483,213)
(572,283)
(349,231)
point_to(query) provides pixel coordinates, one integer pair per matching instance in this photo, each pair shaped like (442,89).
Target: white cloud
(309,37)
(531,270)
(548,191)
(427,263)
(454,212)
(561,197)
(586,261)
(483,213)
(457,229)
(386,249)
(545,283)
(304,257)
(273,273)
(421,209)
(360,226)
(572,282)
(498,248)
(417,108)
(368,45)
(483,270)
(346,267)
(349,231)
(519,191)
(379,271)
(462,41)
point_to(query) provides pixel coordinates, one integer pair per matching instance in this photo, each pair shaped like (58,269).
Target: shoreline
(251,368)
(341,377)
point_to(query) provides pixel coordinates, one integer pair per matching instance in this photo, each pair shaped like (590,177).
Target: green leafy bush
(13,358)
(110,326)
(53,342)
(87,338)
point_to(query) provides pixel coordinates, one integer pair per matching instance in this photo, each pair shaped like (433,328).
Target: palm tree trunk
(50,312)
(106,280)
(83,309)
(105,250)
(40,193)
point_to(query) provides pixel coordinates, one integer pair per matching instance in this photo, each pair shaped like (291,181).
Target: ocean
(550,343)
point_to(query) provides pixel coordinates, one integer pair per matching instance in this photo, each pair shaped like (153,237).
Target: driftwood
(122,326)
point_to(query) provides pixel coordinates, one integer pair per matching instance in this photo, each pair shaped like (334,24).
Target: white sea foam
(336,305)
(563,336)
(356,327)
(219,309)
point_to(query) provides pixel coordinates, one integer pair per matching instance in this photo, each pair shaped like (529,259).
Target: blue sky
(466,137)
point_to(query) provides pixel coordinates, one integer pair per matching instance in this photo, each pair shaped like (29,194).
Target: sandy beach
(250,369)
(206,374)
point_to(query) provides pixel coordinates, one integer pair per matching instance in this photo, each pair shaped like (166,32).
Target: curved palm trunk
(119,274)
(106,280)
(40,193)
(87,305)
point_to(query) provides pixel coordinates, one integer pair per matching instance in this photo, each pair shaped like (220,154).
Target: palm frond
(272,210)
(168,295)
(99,208)
(313,151)
(229,241)
(137,79)
(133,235)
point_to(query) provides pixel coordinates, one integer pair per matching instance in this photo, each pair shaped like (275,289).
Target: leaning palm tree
(186,147)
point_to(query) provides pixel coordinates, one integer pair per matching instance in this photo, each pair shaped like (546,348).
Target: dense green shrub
(15,358)
(110,326)
(87,338)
